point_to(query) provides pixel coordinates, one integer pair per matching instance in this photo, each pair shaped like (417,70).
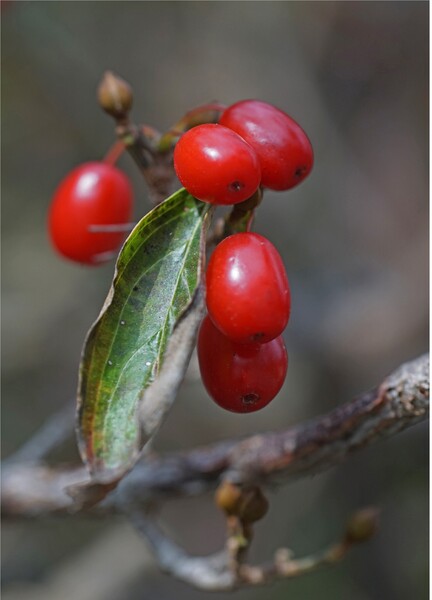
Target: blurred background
(353,236)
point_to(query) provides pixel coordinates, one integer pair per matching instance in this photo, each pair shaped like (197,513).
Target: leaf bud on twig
(248,504)
(115,96)
(362,525)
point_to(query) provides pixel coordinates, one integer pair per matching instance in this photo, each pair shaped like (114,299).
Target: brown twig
(215,572)
(156,168)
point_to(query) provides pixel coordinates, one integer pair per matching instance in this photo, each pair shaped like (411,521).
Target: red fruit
(94,193)
(240,377)
(215,165)
(283,148)
(248,296)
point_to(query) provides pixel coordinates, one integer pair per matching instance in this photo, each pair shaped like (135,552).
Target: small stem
(250,221)
(151,134)
(156,168)
(217,234)
(206,113)
(238,541)
(136,144)
(301,566)
(242,215)
(114,153)
(111,228)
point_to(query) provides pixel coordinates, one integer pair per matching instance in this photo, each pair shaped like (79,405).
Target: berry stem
(109,228)
(206,113)
(241,217)
(114,153)
(151,134)
(136,144)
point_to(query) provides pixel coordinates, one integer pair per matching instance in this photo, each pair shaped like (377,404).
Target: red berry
(240,377)
(284,150)
(94,193)
(215,165)
(248,296)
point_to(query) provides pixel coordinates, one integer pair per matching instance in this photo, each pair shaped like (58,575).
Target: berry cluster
(242,357)
(90,213)
(253,144)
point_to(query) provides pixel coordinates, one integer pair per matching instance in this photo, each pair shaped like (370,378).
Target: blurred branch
(206,572)
(34,490)
(400,401)
(217,573)
(56,429)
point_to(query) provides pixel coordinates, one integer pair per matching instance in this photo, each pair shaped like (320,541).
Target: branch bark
(400,401)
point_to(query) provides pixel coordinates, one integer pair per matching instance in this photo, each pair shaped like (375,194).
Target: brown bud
(362,525)
(228,497)
(254,505)
(115,96)
(246,503)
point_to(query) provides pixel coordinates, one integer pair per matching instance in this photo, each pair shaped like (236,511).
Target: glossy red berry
(248,296)
(93,194)
(283,148)
(216,165)
(240,377)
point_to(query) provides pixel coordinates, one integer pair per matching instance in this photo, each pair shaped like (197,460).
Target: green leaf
(157,274)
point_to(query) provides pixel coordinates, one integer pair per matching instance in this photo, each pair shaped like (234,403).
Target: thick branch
(400,401)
